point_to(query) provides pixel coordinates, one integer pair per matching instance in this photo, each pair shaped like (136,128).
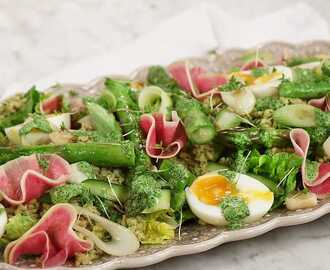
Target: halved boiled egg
(267,84)
(206,193)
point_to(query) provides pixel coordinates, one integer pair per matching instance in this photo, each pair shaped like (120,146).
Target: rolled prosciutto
(28,177)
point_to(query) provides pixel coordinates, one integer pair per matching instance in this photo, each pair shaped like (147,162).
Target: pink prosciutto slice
(52,237)
(253,64)
(321,103)
(51,104)
(165,138)
(23,179)
(320,183)
(196,80)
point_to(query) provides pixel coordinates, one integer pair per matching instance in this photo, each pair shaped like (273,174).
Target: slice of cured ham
(28,177)
(165,138)
(51,104)
(52,237)
(196,80)
(321,103)
(315,176)
(252,64)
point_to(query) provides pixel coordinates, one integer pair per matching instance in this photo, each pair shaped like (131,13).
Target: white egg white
(212,214)
(270,87)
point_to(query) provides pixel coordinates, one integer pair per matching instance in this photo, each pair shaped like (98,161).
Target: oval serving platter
(197,238)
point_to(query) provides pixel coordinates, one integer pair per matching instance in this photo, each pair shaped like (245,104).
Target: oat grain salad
(83,177)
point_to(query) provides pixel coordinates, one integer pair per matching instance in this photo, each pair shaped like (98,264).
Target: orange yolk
(257,195)
(210,189)
(268,77)
(245,77)
(249,79)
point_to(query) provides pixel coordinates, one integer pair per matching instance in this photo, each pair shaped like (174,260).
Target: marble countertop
(41,37)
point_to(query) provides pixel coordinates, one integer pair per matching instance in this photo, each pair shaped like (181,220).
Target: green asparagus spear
(127,109)
(99,154)
(198,126)
(301,115)
(245,138)
(92,136)
(107,100)
(304,90)
(105,122)
(178,177)
(128,113)
(144,188)
(176,174)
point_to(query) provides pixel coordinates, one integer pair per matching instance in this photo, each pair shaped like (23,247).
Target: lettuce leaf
(155,228)
(281,167)
(18,225)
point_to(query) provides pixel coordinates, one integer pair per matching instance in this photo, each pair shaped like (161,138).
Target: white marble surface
(40,37)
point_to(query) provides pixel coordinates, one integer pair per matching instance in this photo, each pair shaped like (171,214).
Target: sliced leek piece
(123,241)
(154,99)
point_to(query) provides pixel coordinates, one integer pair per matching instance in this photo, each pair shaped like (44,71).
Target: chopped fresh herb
(87,169)
(258,72)
(312,170)
(38,122)
(43,162)
(234,210)
(268,103)
(233,84)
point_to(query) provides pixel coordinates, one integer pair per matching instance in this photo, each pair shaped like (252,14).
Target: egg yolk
(210,189)
(245,77)
(268,77)
(249,79)
(256,195)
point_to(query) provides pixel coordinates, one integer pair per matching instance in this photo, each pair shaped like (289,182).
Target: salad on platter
(87,176)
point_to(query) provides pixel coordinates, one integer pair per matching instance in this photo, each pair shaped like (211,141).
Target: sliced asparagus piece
(127,111)
(301,115)
(226,120)
(304,90)
(99,154)
(198,125)
(178,177)
(104,121)
(245,138)
(103,189)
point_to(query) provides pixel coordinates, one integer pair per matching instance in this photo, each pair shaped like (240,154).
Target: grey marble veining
(40,37)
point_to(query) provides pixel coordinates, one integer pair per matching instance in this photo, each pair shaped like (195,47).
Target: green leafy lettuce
(18,225)
(156,228)
(281,167)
